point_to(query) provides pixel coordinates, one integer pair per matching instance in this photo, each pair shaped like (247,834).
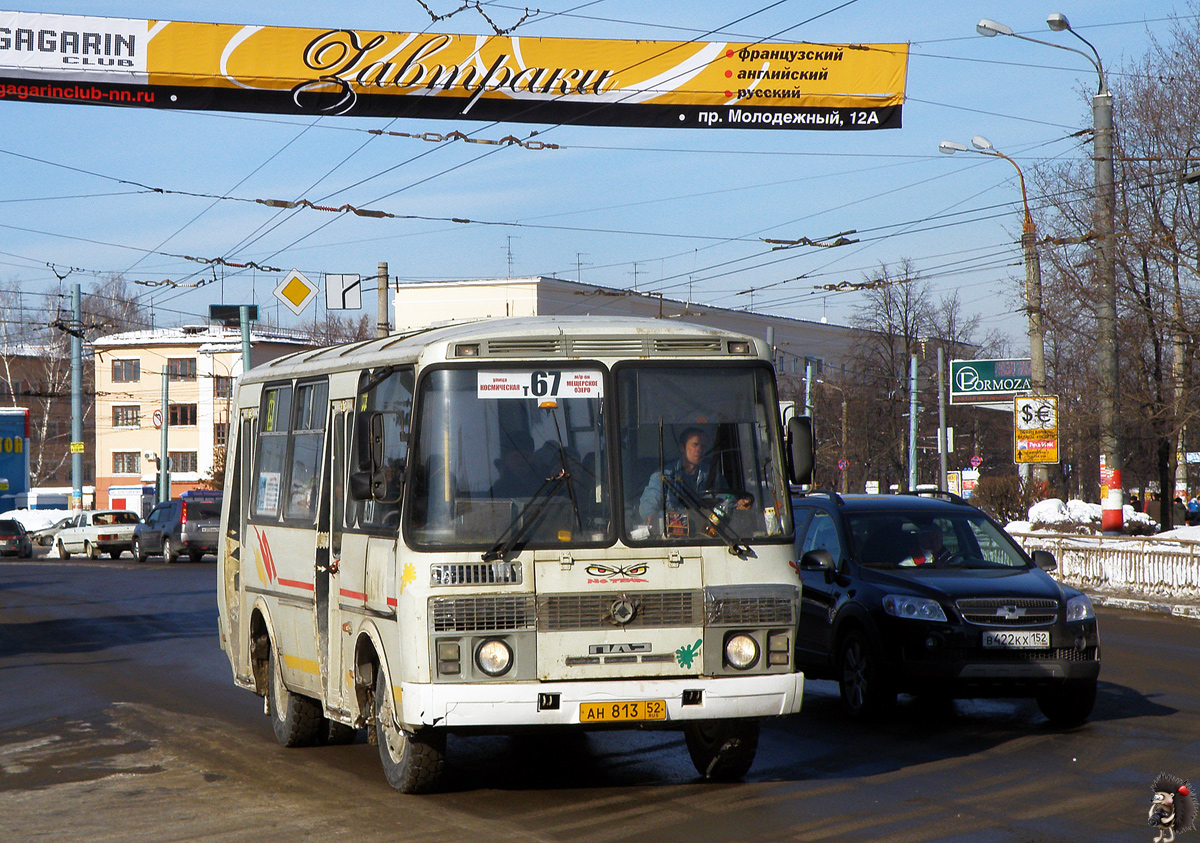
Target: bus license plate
(614,712)
(1006,639)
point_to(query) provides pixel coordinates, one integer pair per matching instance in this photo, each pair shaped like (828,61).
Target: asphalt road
(120,723)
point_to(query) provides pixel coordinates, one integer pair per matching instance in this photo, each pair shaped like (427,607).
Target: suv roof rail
(832,495)
(934,492)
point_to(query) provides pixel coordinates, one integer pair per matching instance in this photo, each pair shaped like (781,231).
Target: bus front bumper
(559,703)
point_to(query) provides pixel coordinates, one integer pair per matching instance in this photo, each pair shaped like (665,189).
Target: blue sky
(680,212)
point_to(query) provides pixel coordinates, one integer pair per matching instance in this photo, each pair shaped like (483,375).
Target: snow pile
(1075,516)
(36,519)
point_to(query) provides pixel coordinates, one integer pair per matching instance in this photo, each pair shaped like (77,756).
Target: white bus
(513,523)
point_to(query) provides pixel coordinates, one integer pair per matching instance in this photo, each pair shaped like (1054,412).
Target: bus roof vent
(522,347)
(688,345)
(608,347)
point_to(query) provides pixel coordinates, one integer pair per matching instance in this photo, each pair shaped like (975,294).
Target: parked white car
(99,531)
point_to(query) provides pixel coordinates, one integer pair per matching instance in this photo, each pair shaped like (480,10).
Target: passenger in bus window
(693,471)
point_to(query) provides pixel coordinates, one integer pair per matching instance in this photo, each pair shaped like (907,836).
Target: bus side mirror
(369,439)
(360,486)
(800,450)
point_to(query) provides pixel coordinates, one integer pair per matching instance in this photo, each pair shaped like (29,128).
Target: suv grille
(482,614)
(557,612)
(1008,611)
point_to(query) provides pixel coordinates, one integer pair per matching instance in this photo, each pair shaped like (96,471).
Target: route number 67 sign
(1035,429)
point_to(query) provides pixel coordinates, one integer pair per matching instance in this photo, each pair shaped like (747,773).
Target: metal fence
(1143,565)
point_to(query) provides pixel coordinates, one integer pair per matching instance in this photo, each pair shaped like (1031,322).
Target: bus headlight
(741,651)
(494,657)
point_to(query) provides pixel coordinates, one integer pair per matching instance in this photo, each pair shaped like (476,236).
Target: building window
(126,371)
(221,434)
(222,386)
(126,462)
(127,415)
(181,369)
(181,414)
(182,461)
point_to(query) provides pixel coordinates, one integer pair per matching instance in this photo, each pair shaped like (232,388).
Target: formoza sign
(989,381)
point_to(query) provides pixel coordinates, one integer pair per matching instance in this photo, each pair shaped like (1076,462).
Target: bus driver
(693,471)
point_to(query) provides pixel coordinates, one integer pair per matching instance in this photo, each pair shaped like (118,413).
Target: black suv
(188,524)
(926,594)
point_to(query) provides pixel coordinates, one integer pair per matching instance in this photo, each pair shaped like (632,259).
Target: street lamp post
(1033,278)
(1102,226)
(842,482)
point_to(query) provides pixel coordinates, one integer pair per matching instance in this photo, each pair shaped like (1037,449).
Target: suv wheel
(138,555)
(1069,704)
(866,690)
(170,551)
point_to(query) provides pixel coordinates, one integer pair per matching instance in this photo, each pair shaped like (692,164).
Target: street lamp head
(981,143)
(992,28)
(950,147)
(1058,22)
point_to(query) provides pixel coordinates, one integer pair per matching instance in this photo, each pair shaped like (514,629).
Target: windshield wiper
(715,524)
(520,527)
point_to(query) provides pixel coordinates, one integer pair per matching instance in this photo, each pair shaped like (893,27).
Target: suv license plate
(613,712)
(1004,639)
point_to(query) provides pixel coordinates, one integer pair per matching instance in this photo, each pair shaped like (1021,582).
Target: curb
(1178,610)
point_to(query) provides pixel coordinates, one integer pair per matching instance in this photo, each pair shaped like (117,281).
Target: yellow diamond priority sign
(295,291)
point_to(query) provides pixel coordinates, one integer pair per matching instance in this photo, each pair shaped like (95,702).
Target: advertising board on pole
(1035,429)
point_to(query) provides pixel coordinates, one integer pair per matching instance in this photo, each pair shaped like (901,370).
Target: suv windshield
(514,453)
(697,455)
(925,540)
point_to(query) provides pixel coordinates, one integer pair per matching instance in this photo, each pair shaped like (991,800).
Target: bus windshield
(510,453)
(698,446)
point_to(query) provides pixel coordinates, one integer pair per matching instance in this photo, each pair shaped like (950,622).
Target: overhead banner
(365,73)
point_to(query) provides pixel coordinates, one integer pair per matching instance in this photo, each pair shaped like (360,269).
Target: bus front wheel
(722,750)
(412,761)
(296,719)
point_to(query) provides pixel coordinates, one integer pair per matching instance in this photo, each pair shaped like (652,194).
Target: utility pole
(943,445)
(164,461)
(912,423)
(76,397)
(382,326)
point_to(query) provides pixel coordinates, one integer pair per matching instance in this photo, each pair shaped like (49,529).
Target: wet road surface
(121,723)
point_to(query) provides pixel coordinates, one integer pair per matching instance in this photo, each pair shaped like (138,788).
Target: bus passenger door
(238,527)
(330,521)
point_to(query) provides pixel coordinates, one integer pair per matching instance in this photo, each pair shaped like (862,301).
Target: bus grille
(558,612)
(550,347)
(750,611)
(1008,611)
(608,347)
(688,345)
(477,573)
(485,613)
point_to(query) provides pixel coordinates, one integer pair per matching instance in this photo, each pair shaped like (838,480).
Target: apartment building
(200,365)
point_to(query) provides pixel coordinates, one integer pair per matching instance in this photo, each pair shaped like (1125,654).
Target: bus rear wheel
(412,761)
(722,750)
(296,719)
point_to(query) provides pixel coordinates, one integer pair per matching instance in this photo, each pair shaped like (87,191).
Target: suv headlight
(1079,608)
(916,608)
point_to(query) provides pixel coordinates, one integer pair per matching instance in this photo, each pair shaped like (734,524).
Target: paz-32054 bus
(514,523)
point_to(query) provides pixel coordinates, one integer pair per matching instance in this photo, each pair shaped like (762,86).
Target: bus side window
(381,424)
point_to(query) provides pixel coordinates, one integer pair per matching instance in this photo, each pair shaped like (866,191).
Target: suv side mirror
(818,559)
(800,450)
(1044,559)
